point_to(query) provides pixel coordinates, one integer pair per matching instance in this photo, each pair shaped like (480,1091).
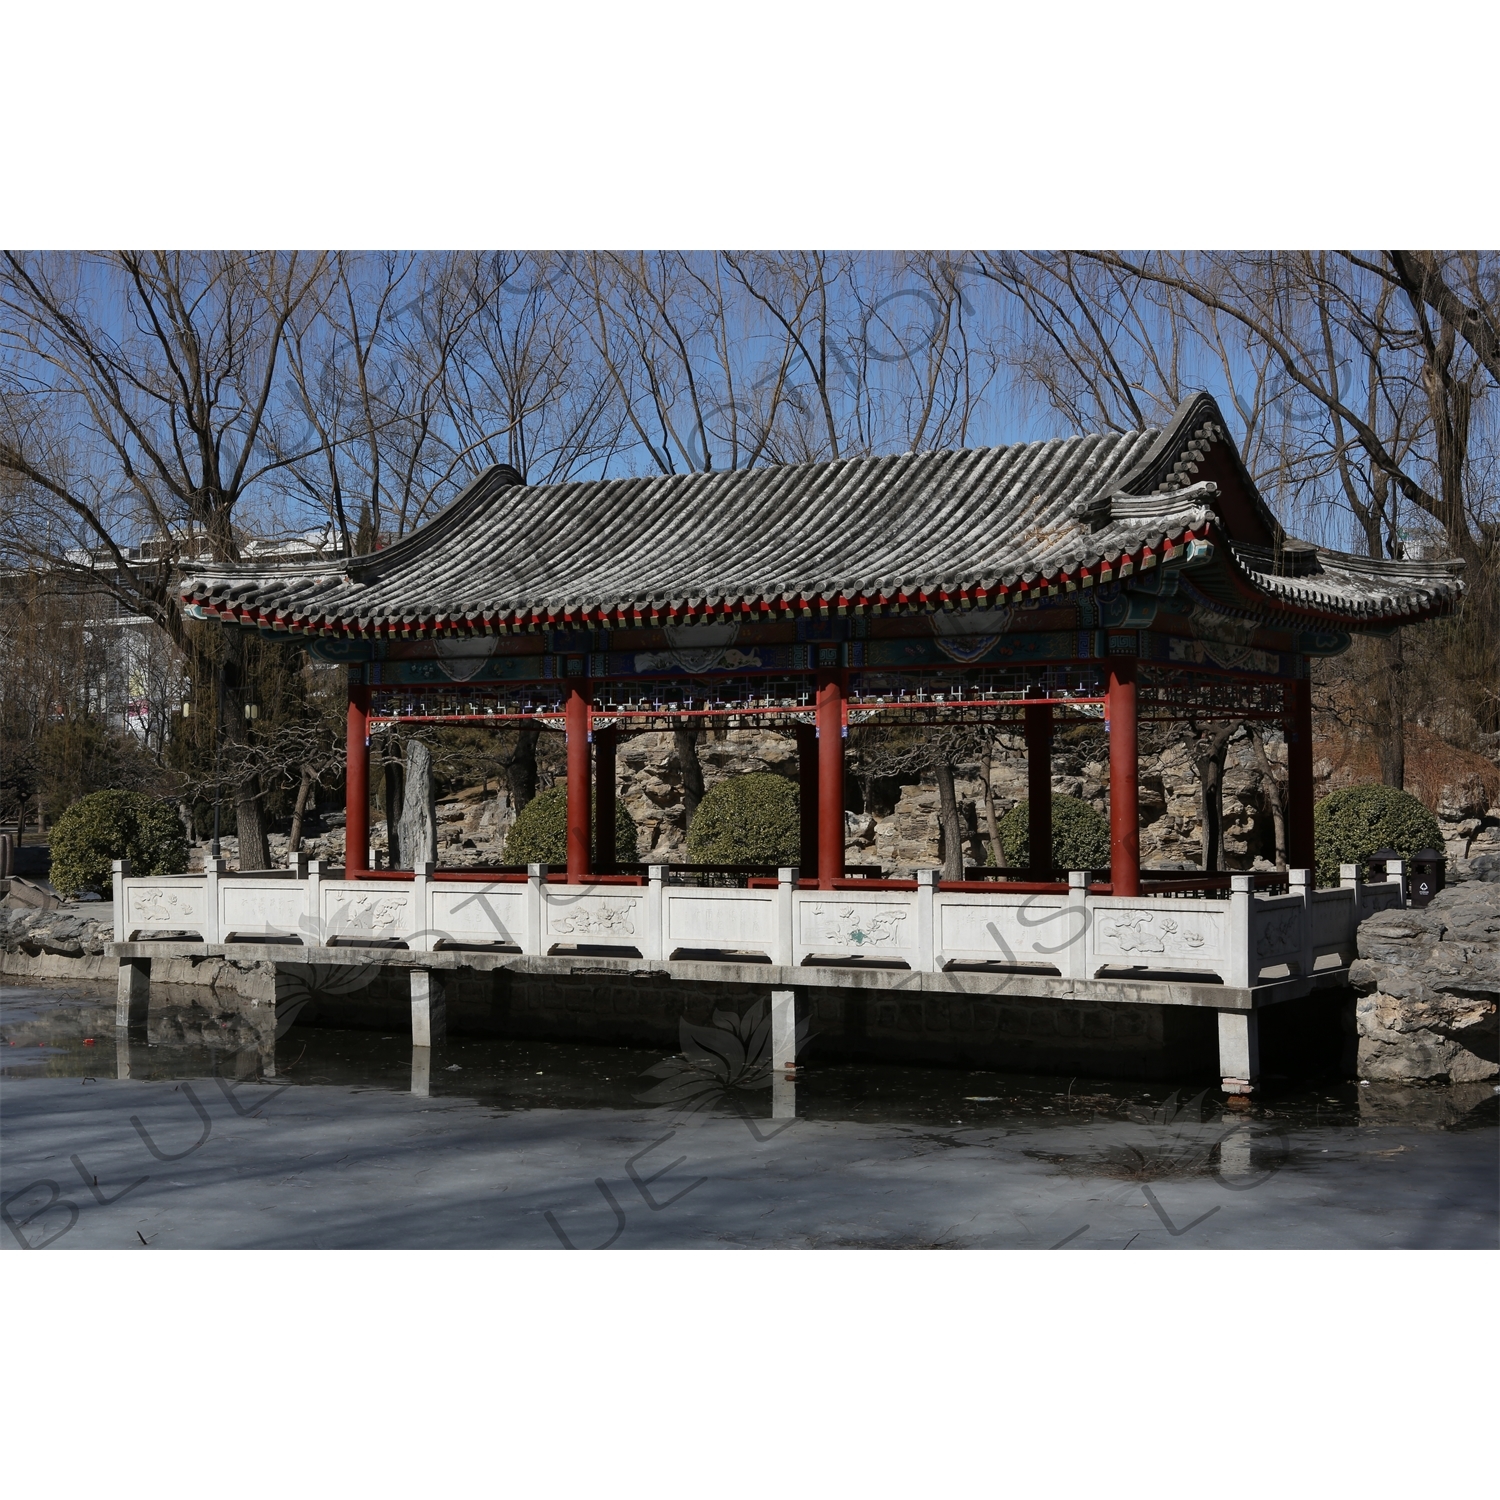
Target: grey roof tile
(955,521)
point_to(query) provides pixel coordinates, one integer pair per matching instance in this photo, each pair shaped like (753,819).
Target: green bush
(106,826)
(748,820)
(539,836)
(1351,824)
(1080,837)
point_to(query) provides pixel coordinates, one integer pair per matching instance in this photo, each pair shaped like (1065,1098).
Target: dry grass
(1431,764)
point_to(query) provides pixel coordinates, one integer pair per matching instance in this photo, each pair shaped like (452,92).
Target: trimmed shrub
(539,836)
(1351,824)
(106,826)
(752,819)
(1080,837)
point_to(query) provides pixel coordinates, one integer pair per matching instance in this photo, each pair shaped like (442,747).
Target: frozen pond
(201,1138)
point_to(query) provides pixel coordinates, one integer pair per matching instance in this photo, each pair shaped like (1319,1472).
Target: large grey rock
(416,833)
(1429,983)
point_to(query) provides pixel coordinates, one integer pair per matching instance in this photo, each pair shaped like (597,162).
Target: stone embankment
(1429,986)
(67,941)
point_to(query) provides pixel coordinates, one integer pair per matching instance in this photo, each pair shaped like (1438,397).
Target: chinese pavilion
(1137,575)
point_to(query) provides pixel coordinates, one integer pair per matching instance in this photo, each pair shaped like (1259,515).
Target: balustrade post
(121,871)
(1243,966)
(928,959)
(1300,883)
(654,939)
(314,918)
(787,878)
(536,915)
(421,893)
(213,870)
(1074,959)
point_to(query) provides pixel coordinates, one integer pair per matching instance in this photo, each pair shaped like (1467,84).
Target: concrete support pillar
(783,1030)
(357,780)
(606,856)
(421,1072)
(429,1010)
(1039,788)
(1124,802)
(578,840)
(133,995)
(830,776)
(1299,775)
(1239,1050)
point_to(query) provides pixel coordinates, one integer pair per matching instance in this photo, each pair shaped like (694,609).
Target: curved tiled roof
(918,530)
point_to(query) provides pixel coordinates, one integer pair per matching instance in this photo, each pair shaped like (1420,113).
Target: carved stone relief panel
(863,925)
(1146,934)
(595,917)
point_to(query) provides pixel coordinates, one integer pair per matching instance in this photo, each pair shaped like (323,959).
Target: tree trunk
(520,770)
(418,818)
(1275,797)
(1209,751)
(992,827)
(304,791)
(685,741)
(394,796)
(1392,742)
(249,814)
(949,821)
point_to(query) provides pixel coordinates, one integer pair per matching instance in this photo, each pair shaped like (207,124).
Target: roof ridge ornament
(1103,510)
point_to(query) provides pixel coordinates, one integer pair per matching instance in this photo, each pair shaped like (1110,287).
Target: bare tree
(135,398)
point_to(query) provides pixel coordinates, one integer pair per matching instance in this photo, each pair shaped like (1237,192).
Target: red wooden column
(1124,801)
(830,776)
(606,858)
(357,782)
(577,720)
(1039,787)
(807,796)
(1299,769)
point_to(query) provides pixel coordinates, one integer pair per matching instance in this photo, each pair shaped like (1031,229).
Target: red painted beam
(606,856)
(1039,785)
(1124,802)
(830,776)
(357,781)
(1299,765)
(577,715)
(807,790)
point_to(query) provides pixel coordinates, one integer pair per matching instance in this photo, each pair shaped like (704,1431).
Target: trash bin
(1375,864)
(1429,868)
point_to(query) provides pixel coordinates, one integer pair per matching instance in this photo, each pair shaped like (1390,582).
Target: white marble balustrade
(1242,939)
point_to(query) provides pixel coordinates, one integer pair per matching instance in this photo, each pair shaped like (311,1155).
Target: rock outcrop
(1429,983)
